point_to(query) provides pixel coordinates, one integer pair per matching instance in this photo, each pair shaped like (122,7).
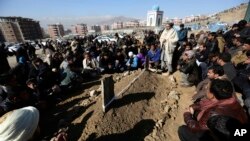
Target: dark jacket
(202,56)
(229,70)
(7,105)
(21,71)
(4,64)
(228,38)
(120,58)
(242,81)
(212,46)
(105,62)
(245,33)
(192,69)
(22,52)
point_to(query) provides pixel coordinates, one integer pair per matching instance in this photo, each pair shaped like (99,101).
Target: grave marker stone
(108,94)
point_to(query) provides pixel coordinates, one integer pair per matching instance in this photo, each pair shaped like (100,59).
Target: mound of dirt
(149,110)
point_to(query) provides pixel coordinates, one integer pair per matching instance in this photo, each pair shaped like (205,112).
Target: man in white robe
(168,40)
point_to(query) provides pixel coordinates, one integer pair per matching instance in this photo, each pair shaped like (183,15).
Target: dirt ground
(151,110)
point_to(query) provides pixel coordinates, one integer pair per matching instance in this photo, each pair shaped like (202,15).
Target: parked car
(13,47)
(103,38)
(121,35)
(35,45)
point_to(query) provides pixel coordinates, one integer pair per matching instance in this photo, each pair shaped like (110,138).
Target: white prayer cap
(130,54)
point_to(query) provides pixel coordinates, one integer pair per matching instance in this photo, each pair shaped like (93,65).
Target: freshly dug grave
(143,112)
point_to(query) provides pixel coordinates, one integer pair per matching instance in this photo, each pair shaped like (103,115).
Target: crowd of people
(42,82)
(218,64)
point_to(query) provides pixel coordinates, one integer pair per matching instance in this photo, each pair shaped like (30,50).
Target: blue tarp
(213,27)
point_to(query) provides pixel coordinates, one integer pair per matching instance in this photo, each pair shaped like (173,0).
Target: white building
(117,25)
(96,28)
(143,23)
(154,17)
(105,27)
(80,29)
(129,24)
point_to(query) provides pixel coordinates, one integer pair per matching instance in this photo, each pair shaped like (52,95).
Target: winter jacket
(233,110)
(133,62)
(154,56)
(212,46)
(202,56)
(192,69)
(182,34)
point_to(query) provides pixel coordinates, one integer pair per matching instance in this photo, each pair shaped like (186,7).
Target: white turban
(20,125)
(130,54)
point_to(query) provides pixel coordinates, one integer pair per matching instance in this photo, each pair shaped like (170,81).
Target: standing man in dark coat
(4,64)
(182,34)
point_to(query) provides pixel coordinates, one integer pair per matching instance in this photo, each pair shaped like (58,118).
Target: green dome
(156,8)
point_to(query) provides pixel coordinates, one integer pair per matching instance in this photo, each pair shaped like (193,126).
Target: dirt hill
(234,14)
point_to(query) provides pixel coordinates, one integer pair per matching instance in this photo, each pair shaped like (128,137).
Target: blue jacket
(133,63)
(154,56)
(182,34)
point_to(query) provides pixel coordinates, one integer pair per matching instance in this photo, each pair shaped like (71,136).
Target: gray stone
(117,78)
(154,133)
(167,109)
(149,138)
(172,79)
(174,106)
(85,102)
(92,93)
(99,89)
(126,73)
(174,95)
(159,124)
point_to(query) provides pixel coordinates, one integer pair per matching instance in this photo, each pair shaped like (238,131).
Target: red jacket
(233,110)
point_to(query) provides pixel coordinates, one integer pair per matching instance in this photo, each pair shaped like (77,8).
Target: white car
(35,45)
(13,48)
(121,36)
(104,38)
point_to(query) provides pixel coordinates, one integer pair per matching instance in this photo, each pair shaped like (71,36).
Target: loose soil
(146,111)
